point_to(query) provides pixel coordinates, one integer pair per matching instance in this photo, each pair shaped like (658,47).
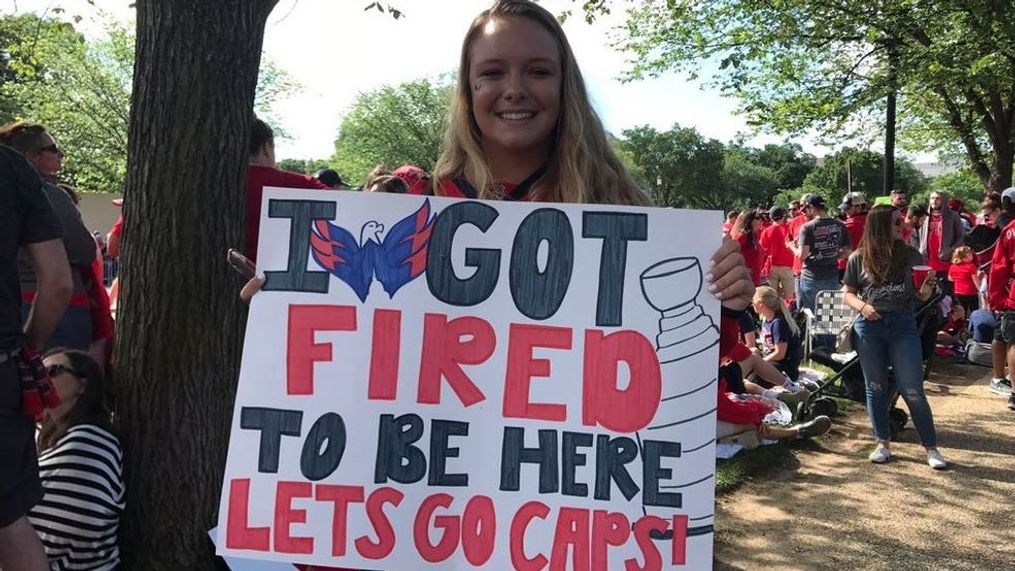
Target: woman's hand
(869,313)
(729,279)
(929,286)
(253,286)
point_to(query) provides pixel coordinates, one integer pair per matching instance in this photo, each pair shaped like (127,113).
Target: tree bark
(180,324)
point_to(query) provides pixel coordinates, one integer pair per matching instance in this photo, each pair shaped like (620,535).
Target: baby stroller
(848,382)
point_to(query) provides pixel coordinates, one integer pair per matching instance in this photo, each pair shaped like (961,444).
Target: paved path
(832,509)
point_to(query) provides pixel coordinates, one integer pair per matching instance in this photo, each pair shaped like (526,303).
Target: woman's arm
(858,305)
(778,354)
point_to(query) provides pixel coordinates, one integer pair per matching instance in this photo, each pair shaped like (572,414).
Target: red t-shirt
(773,240)
(964,277)
(259,177)
(854,227)
(934,245)
(795,224)
(117,229)
(754,258)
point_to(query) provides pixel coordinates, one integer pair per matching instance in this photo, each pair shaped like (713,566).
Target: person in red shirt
(780,258)
(854,204)
(940,234)
(731,219)
(1001,296)
(746,232)
(261,172)
(965,278)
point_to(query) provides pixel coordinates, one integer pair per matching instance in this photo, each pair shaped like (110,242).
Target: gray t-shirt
(897,294)
(825,237)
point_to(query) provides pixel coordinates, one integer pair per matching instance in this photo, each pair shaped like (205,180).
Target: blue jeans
(894,340)
(809,286)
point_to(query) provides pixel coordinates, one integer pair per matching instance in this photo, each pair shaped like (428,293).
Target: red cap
(414,177)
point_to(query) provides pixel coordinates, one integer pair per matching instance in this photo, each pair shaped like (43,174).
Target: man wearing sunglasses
(26,221)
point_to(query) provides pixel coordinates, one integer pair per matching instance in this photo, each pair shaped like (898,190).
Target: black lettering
(612,455)
(538,295)
(273,424)
(397,458)
(328,432)
(514,453)
(570,460)
(444,284)
(616,229)
(301,214)
(652,473)
(440,431)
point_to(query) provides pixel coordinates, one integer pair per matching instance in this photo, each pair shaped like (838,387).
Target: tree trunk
(180,324)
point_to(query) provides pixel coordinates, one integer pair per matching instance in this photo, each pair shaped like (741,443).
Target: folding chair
(830,314)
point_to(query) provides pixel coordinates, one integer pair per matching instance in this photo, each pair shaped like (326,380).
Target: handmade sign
(440,383)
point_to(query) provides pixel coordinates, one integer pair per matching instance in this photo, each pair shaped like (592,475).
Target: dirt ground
(832,509)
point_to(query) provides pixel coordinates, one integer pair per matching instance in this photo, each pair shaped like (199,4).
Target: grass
(731,474)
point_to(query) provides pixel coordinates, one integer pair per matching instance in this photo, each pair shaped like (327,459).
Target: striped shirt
(78,517)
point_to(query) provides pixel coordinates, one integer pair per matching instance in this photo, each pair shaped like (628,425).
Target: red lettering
(303,351)
(239,534)
(608,528)
(572,530)
(448,542)
(382,525)
(341,496)
(479,530)
(643,529)
(522,367)
(679,548)
(444,353)
(519,524)
(286,516)
(630,409)
(385,351)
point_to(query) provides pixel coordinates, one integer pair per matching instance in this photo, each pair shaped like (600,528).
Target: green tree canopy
(863,169)
(394,125)
(686,170)
(80,90)
(826,66)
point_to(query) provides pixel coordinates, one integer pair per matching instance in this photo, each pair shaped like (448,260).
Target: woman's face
(897,221)
(48,157)
(68,385)
(516,81)
(756,225)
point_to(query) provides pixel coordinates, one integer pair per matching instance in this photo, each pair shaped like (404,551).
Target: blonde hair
(768,297)
(582,166)
(959,254)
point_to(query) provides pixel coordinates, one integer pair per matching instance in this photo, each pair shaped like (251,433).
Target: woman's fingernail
(711,263)
(712,288)
(718,295)
(709,278)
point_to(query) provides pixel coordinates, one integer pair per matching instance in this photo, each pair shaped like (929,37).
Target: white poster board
(440,383)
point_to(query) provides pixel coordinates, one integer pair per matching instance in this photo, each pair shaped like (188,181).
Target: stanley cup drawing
(686,412)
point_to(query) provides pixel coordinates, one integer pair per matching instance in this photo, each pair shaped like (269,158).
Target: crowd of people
(521,129)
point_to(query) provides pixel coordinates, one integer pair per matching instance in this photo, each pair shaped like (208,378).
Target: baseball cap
(777,213)
(329,177)
(898,191)
(853,199)
(814,200)
(805,198)
(1008,193)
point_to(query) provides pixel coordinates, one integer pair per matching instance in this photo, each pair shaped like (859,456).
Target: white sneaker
(1000,387)
(935,460)
(881,454)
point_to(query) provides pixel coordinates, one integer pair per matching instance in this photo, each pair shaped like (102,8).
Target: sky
(335,50)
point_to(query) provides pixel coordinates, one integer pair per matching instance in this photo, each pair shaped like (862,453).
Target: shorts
(20,488)
(1005,330)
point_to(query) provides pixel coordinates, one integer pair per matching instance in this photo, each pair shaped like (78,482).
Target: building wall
(98,212)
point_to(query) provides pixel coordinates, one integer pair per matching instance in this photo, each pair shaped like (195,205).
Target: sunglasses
(52,149)
(57,369)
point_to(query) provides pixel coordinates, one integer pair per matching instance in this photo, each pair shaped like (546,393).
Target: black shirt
(26,217)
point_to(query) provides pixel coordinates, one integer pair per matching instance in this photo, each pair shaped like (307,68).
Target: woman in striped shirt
(80,465)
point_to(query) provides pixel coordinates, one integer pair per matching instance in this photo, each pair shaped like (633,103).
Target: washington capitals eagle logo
(395,260)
